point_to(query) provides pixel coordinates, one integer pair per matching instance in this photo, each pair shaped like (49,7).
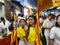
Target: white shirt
(55,34)
(7,24)
(47,23)
(53,21)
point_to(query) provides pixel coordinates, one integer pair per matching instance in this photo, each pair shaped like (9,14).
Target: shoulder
(19,28)
(31,28)
(7,21)
(53,29)
(46,20)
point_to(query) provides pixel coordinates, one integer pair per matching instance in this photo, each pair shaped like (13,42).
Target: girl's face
(22,23)
(58,20)
(31,20)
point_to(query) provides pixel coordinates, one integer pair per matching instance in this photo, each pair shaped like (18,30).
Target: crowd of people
(26,29)
(51,25)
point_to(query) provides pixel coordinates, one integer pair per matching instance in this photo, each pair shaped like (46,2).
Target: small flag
(38,41)
(6,40)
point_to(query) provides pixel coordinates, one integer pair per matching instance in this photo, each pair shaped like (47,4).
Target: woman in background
(55,33)
(47,25)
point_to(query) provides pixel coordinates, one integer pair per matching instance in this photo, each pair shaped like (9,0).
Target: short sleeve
(44,24)
(52,33)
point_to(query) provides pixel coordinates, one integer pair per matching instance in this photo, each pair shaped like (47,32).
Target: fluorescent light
(58,7)
(52,12)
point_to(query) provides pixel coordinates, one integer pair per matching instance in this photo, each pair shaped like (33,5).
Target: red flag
(38,41)
(6,40)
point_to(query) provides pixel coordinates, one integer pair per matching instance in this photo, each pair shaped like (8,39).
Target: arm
(47,27)
(25,40)
(51,42)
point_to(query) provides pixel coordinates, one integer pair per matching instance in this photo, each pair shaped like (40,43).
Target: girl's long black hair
(56,24)
(23,19)
(34,17)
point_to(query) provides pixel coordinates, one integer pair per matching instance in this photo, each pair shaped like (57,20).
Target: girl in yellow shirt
(31,30)
(21,31)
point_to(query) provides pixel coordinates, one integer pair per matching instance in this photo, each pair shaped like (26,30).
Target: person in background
(11,27)
(47,25)
(4,25)
(53,19)
(43,38)
(21,31)
(55,33)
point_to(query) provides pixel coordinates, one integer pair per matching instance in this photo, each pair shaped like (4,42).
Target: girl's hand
(25,29)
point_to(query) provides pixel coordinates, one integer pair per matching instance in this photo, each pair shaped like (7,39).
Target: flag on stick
(38,41)
(14,40)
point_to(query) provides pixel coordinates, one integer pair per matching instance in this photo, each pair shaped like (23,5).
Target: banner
(6,40)
(45,4)
(14,39)
(56,3)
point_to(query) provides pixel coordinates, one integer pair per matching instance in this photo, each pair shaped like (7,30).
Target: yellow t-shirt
(32,35)
(21,33)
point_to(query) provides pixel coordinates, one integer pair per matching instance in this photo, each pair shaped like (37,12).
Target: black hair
(34,17)
(51,15)
(2,18)
(21,15)
(23,19)
(56,24)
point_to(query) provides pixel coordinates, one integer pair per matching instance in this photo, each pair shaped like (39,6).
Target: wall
(2,9)
(2,1)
